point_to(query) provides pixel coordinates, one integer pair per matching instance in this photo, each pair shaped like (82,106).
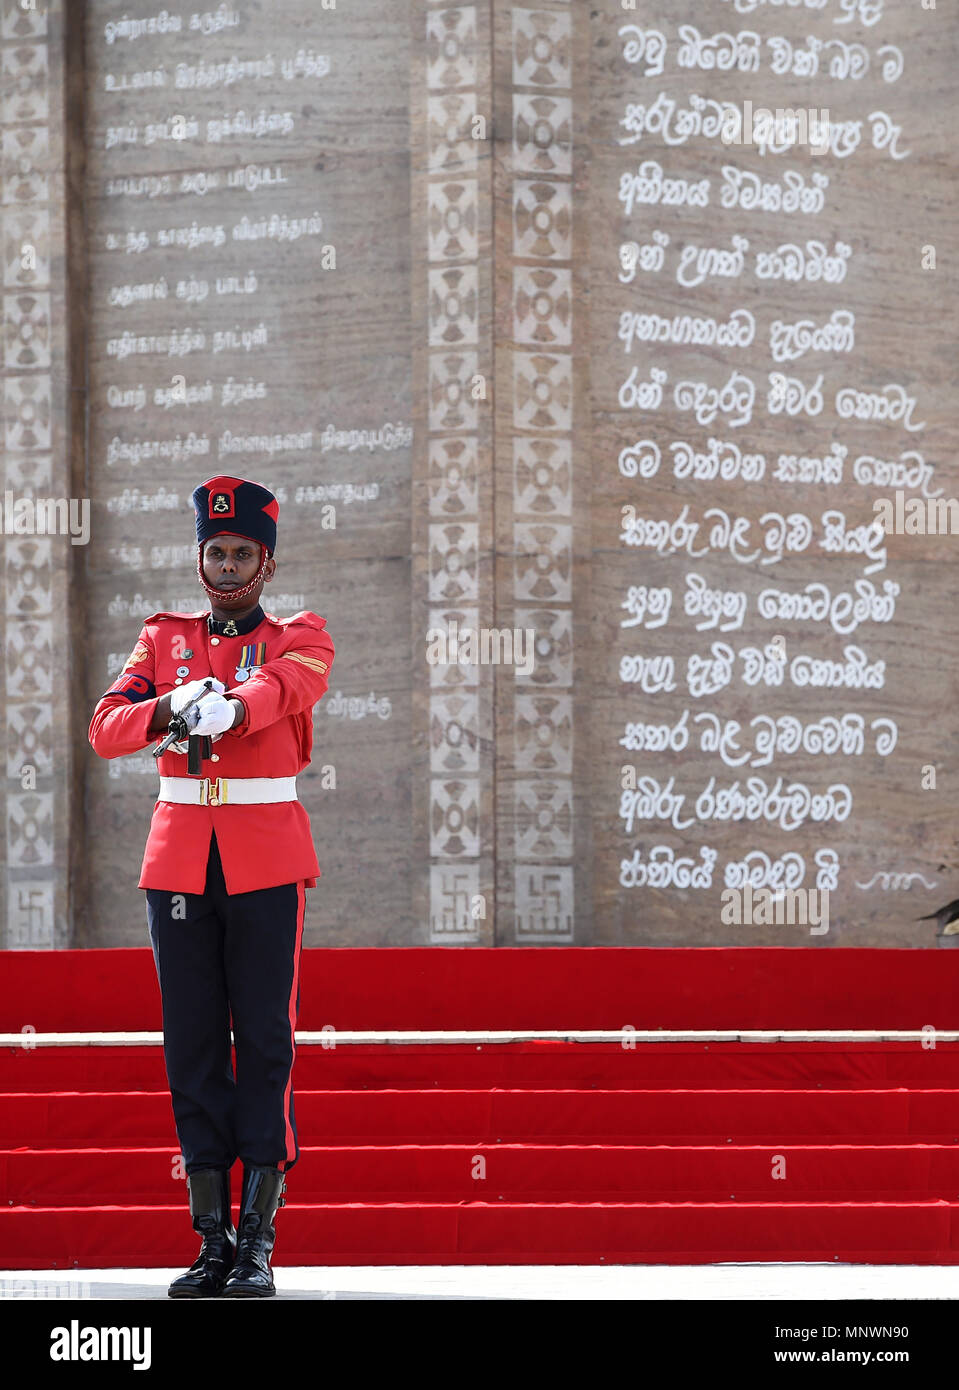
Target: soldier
(227,861)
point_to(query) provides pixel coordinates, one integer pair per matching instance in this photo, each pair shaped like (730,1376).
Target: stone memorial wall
(248,208)
(601,356)
(771,296)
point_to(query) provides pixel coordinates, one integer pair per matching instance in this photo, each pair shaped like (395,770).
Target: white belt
(223,791)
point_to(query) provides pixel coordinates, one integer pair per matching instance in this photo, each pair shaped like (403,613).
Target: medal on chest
(252,658)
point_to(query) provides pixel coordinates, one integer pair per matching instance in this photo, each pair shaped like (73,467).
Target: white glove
(216,715)
(183,694)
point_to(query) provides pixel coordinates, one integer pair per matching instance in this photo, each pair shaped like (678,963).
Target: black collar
(239,627)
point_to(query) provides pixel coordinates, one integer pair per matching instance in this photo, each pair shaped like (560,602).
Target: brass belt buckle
(213,792)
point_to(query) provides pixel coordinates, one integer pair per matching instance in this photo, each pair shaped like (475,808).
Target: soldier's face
(230,563)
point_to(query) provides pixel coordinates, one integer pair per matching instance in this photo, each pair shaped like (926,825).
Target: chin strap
(234,593)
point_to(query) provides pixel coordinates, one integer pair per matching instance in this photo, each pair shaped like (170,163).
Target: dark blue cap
(236,507)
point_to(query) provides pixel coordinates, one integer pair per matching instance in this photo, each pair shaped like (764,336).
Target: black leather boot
(210,1208)
(251,1276)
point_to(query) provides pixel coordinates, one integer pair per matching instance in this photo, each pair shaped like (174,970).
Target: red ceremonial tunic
(261,846)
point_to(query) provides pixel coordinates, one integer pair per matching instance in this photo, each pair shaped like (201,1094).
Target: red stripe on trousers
(290,1144)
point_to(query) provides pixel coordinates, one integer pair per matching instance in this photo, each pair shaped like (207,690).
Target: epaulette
(181,616)
(305,618)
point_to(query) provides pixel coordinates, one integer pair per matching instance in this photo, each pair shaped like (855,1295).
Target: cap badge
(221,504)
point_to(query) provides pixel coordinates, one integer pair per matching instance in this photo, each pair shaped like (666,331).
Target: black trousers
(219,955)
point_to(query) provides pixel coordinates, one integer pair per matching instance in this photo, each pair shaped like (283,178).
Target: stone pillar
(494,165)
(541,405)
(42,423)
(453,535)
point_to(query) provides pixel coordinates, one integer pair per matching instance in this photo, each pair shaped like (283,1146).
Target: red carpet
(538,1152)
(527,987)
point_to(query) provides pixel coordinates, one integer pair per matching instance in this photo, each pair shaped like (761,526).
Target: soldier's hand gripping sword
(179,728)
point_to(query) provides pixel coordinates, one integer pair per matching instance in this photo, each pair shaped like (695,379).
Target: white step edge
(330,1038)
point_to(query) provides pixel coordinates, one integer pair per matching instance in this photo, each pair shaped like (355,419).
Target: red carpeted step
(545,1063)
(503,1233)
(509,1172)
(499,987)
(69,1119)
(662,1152)
(87,1068)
